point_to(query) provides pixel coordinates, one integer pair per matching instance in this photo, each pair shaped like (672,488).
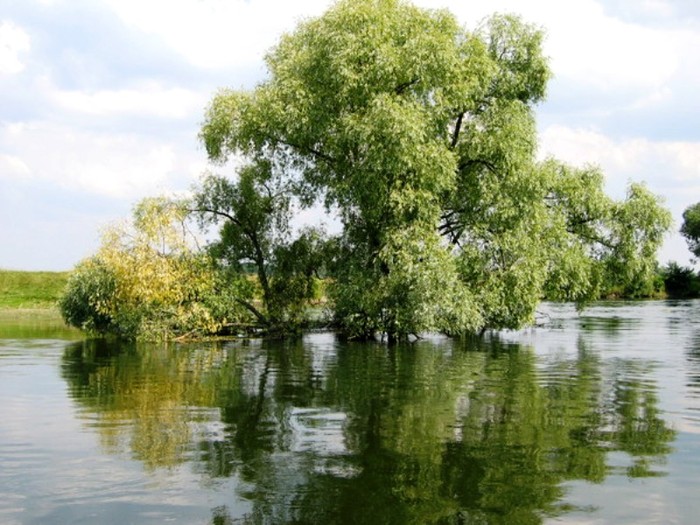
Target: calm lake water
(592,418)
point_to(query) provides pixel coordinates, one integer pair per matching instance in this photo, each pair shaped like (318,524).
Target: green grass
(31,290)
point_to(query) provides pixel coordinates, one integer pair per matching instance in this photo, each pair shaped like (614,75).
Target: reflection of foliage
(221,516)
(637,426)
(147,400)
(429,433)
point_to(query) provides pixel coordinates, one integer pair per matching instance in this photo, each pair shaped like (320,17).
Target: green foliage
(84,303)
(149,280)
(297,271)
(680,281)
(602,246)
(411,287)
(254,218)
(421,135)
(690,228)
(366,116)
(254,215)
(636,233)
(19,289)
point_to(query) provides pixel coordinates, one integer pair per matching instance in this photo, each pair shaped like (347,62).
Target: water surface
(592,418)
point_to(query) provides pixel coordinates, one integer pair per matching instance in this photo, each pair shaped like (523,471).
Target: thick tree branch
(218,213)
(304,149)
(452,229)
(260,263)
(259,316)
(458,128)
(471,162)
(251,234)
(404,86)
(592,238)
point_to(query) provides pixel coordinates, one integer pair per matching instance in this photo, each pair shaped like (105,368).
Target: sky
(101,102)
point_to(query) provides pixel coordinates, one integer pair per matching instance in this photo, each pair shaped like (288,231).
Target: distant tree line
(683,282)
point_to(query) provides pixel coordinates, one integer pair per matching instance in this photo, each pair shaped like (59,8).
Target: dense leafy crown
(421,135)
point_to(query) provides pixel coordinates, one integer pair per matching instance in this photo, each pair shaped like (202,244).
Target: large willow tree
(421,136)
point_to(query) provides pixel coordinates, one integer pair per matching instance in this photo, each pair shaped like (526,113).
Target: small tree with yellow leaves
(149,279)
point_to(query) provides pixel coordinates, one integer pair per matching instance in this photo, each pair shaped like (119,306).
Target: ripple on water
(604,403)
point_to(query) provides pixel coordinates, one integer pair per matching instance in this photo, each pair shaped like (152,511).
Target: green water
(588,419)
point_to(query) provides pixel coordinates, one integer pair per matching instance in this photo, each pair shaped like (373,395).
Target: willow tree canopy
(421,135)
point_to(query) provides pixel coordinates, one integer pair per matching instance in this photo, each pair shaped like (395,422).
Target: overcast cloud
(102,100)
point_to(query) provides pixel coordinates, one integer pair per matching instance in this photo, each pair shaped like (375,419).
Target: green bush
(85,301)
(681,281)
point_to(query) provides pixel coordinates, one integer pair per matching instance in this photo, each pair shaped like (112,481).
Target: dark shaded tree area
(680,282)
(690,229)
(683,282)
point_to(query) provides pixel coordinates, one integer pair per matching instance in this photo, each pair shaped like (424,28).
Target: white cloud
(586,44)
(671,169)
(595,52)
(118,166)
(658,8)
(146,99)
(651,100)
(13,41)
(216,33)
(667,164)
(13,167)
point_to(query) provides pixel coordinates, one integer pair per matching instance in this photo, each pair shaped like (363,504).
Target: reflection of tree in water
(486,442)
(608,325)
(428,433)
(693,358)
(148,400)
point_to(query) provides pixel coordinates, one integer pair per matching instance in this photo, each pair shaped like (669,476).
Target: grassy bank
(31,290)
(29,305)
